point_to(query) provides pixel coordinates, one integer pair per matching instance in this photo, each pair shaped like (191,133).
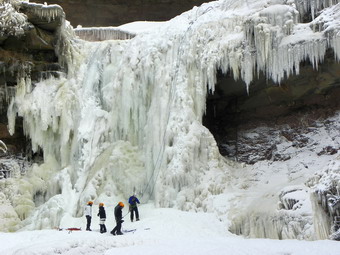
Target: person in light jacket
(102,218)
(88,214)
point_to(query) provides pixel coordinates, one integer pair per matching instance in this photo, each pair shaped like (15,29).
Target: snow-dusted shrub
(11,21)
(9,219)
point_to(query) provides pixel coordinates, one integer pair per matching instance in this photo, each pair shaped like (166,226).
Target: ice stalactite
(103,33)
(313,6)
(272,44)
(6,93)
(133,108)
(274,226)
(321,220)
(292,219)
(326,188)
(48,12)
(329,22)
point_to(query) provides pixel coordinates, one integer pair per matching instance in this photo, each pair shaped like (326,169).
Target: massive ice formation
(128,116)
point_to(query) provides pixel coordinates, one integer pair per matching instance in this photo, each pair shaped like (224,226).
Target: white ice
(128,117)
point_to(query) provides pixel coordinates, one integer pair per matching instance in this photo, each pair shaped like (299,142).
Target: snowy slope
(160,231)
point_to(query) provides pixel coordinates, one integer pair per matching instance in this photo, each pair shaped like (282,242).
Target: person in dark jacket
(102,218)
(133,201)
(119,219)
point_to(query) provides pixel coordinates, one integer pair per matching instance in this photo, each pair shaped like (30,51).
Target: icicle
(313,6)
(103,33)
(335,43)
(48,12)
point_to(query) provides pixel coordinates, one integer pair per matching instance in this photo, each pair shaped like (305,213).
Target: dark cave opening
(231,112)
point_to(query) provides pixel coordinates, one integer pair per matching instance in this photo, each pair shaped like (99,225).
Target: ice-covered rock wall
(325,185)
(103,33)
(128,114)
(286,197)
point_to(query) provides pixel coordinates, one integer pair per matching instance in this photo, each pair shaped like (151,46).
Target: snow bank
(165,231)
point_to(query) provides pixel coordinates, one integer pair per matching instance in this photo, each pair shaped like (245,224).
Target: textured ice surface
(129,116)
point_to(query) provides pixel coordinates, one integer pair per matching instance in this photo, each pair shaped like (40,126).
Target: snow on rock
(273,198)
(11,21)
(329,22)
(46,12)
(129,117)
(313,6)
(123,32)
(137,27)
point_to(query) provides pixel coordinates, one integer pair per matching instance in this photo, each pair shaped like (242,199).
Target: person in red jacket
(119,219)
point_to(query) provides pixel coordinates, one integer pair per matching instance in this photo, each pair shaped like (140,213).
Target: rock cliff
(100,13)
(29,52)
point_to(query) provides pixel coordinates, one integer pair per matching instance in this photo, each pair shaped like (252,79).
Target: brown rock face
(31,53)
(288,109)
(101,13)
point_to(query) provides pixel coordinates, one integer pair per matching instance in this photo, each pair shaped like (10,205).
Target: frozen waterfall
(129,115)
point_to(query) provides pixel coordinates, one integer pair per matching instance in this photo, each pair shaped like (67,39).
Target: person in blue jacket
(133,201)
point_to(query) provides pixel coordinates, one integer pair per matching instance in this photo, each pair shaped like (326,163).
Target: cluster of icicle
(329,24)
(273,45)
(291,220)
(273,225)
(48,12)
(326,194)
(6,94)
(145,98)
(103,33)
(313,6)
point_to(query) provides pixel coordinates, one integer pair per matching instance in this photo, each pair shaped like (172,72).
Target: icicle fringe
(103,33)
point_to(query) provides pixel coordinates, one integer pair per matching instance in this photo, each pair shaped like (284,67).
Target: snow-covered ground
(160,231)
